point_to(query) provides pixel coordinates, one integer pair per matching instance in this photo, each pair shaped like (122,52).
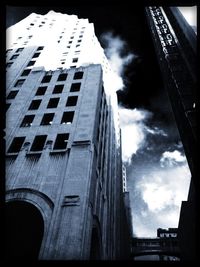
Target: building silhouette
(175,45)
(65,198)
(162,248)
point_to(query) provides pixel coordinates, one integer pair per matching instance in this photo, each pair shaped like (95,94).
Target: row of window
(39,143)
(47,78)
(36,55)
(47,119)
(53,102)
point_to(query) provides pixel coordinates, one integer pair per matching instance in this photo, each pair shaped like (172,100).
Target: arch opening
(23,231)
(95,245)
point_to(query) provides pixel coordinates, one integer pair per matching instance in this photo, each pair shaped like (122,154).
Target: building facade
(175,45)
(64,186)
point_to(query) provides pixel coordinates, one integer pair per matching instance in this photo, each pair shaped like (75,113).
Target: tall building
(64,185)
(175,45)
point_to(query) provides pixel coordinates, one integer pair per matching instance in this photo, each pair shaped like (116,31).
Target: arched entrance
(24,231)
(95,245)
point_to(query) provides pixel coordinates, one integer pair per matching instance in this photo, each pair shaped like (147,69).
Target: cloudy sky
(157,171)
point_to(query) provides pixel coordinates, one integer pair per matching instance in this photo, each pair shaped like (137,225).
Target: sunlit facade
(63,151)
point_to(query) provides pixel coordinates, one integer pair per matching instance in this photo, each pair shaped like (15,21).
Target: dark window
(35,104)
(32,24)
(7,106)
(53,103)
(71,101)
(26,72)
(12,94)
(40,48)
(46,78)
(61,141)
(16,144)
(14,57)
(62,77)
(27,121)
(19,50)
(9,64)
(36,55)
(31,63)
(38,143)
(41,90)
(75,87)
(75,60)
(8,50)
(80,36)
(47,119)
(78,75)
(67,117)
(19,83)
(77,45)
(70,42)
(58,89)
(79,41)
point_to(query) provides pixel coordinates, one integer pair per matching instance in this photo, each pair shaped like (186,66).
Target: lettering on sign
(167,40)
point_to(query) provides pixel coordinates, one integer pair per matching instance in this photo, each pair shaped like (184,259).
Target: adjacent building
(175,45)
(64,185)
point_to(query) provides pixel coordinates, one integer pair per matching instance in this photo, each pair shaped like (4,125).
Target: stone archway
(24,230)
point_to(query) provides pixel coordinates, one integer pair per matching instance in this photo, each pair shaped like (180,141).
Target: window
(75,87)
(7,106)
(79,41)
(32,24)
(53,103)
(27,121)
(75,60)
(67,117)
(46,78)
(14,57)
(9,64)
(8,50)
(78,75)
(71,101)
(58,89)
(61,141)
(38,143)
(80,36)
(41,90)
(69,42)
(12,94)
(31,63)
(26,72)
(36,55)
(47,119)
(40,48)
(19,83)
(35,104)
(19,50)
(16,144)
(62,77)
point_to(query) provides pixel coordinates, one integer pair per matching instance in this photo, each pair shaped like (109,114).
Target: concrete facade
(64,186)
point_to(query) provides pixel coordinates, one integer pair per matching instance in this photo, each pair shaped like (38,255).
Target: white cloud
(165,187)
(115,46)
(133,131)
(171,158)
(162,191)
